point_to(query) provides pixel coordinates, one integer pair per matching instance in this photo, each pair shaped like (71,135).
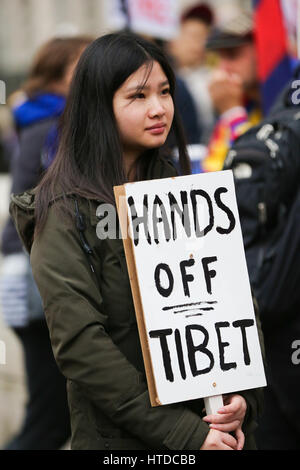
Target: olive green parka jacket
(95,340)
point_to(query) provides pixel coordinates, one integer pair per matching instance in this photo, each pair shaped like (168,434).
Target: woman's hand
(217,440)
(230,417)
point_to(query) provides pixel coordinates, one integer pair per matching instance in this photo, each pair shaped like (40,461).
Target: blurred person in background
(188,114)
(7,137)
(234,87)
(46,422)
(265,165)
(189,54)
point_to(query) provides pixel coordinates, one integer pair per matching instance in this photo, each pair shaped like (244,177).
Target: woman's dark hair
(51,61)
(89,161)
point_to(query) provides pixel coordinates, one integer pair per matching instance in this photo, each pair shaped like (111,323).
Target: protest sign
(190,286)
(155,18)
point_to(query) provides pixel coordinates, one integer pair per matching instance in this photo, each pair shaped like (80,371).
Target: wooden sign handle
(213,404)
(130,260)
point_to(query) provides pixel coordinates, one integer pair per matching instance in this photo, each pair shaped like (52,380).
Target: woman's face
(144,115)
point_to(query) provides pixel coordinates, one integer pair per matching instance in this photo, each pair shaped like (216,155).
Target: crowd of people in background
(218,98)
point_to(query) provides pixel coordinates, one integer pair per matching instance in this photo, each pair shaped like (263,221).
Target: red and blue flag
(274,62)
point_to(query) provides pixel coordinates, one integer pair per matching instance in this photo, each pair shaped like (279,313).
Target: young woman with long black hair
(117,119)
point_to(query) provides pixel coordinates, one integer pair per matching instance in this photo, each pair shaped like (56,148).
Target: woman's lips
(157,129)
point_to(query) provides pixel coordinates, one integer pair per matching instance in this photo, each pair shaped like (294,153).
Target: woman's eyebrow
(146,87)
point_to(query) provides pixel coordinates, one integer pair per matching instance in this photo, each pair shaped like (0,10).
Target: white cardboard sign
(157,18)
(194,286)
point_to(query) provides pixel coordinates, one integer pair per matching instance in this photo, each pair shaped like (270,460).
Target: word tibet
(200,348)
(193,206)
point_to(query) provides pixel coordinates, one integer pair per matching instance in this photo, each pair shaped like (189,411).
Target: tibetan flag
(274,62)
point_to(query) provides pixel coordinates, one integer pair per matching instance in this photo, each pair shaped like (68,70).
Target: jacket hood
(42,106)
(22,212)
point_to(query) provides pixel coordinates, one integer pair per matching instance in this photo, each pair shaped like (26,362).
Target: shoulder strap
(81,227)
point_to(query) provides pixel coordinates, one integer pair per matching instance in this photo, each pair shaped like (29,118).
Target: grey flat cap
(233,33)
